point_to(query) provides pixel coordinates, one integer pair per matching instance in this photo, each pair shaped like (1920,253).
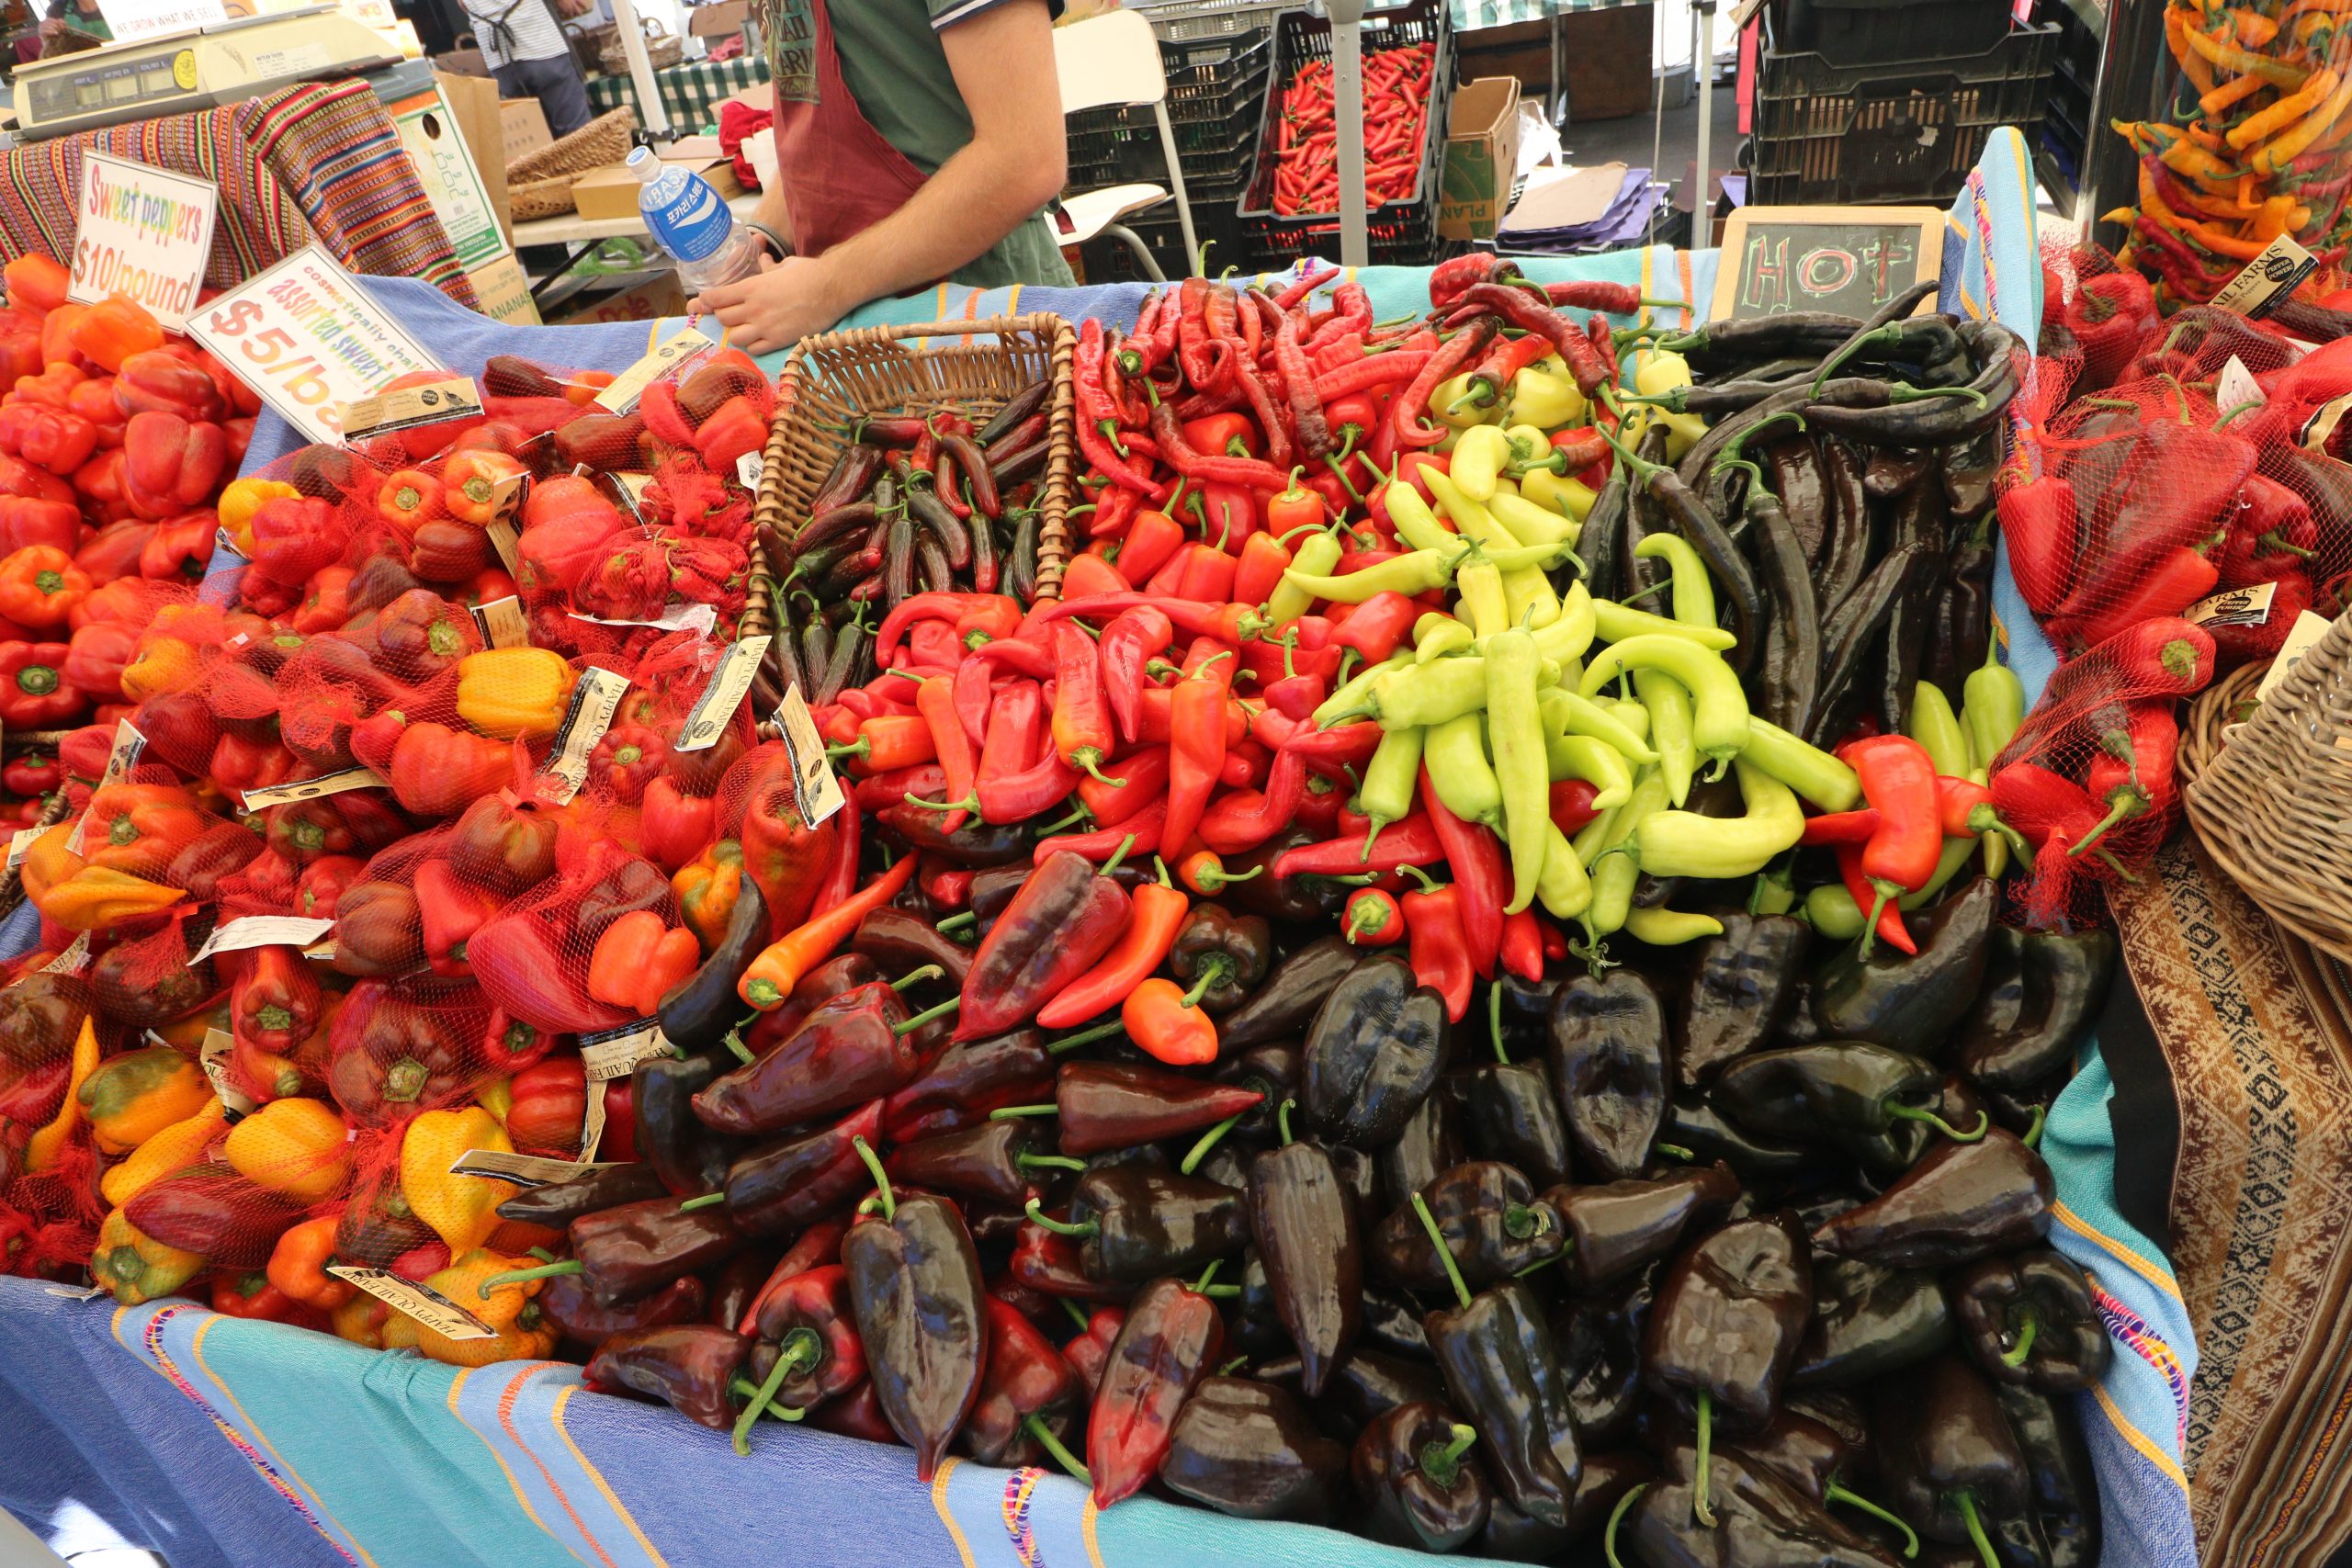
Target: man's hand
(777,307)
(573,8)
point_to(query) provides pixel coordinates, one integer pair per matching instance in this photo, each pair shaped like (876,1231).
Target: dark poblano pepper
(915,1283)
(2030,1317)
(1948,1459)
(1432,1144)
(1609,1051)
(1416,1481)
(1494,1228)
(996,1161)
(1849,1092)
(688,1157)
(1513,1110)
(631,1251)
(1233,948)
(1599,1341)
(1170,1340)
(1726,1325)
(1695,1126)
(1291,995)
(1247,1449)
(1373,1053)
(692,1367)
(1868,1321)
(1307,1227)
(1120,1105)
(1960,1203)
(2063,980)
(1135,1223)
(561,1202)
(1273,1069)
(1617,1228)
(1064,917)
(1759,1519)
(2065,1492)
(790,1184)
(697,1013)
(566,1302)
(1362,1389)
(1911,1003)
(1741,988)
(1607,1478)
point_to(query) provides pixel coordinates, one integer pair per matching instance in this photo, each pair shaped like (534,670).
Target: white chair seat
(1093,211)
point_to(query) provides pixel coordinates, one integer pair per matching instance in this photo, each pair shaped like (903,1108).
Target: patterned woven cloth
(2255,1031)
(690,93)
(320,162)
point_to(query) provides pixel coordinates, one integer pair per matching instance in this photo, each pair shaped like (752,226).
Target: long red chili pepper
(1475,858)
(1289,298)
(1448,278)
(1081,721)
(1140,833)
(1522,309)
(1200,468)
(1899,780)
(1297,383)
(1136,636)
(1405,414)
(1197,751)
(1374,370)
(1886,919)
(1412,841)
(936,703)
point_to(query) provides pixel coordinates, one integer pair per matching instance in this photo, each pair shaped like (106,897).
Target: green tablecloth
(690,93)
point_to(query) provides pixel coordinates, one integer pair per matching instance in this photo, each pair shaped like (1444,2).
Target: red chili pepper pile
(1396,128)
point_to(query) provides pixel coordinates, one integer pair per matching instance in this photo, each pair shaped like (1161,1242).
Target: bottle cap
(644,164)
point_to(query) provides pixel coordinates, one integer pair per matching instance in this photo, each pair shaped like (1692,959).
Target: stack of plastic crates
(1402,232)
(1216,59)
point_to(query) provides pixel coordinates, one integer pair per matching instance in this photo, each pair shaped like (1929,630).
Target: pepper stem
(1075,817)
(2015,1355)
(1209,1140)
(1441,1463)
(1837,1494)
(956,922)
(516,1276)
(1676,1151)
(1007,1112)
(1077,1312)
(1444,1254)
(1038,1216)
(1282,1120)
(881,1178)
(734,1041)
(1915,1113)
(1616,1515)
(799,1351)
(1201,1286)
(1429,883)
(1120,854)
(1703,1506)
(706,1200)
(2129,801)
(1495,1022)
(1036,1426)
(1966,1503)
(1216,969)
(917,977)
(1085,1037)
(2033,1138)
(1048,1162)
(928,1014)
(1091,766)
(1521,1223)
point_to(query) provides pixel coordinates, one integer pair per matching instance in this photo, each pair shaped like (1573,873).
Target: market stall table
(581,235)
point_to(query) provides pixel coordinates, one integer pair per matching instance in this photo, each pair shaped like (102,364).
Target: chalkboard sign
(1850,260)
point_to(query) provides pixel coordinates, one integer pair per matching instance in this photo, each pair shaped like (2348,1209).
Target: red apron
(840,175)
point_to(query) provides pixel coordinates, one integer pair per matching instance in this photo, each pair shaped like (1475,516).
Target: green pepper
(1719,724)
(1389,780)
(1668,706)
(1937,730)
(1992,707)
(1466,783)
(1808,770)
(1516,728)
(1684,843)
(1694,595)
(1616,622)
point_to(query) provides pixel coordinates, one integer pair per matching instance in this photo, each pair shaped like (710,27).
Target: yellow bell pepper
(83,897)
(497,1097)
(1449,403)
(362,1320)
(1543,400)
(507,692)
(240,500)
(460,1208)
(41,1153)
(177,1148)
(295,1147)
(134,1095)
(161,665)
(136,1267)
(524,1332)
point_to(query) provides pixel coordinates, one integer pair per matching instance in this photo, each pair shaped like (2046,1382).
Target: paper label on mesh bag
(2267,278)
(214,1059)
(613,1054)
(74,960)
(719,700)
(749,468)
(671,353)
(128,744)
(19,841)
(312,789)
(522,1170)
(261,930)
(419,1300)
(2236,387)
(2301,638)
(594,699)
(405,408)
(820,792)
(502,623)
(2247,606)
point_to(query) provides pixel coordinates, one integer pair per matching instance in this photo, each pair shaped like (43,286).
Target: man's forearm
(978,196)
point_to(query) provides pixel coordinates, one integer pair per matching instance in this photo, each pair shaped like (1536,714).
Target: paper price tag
(2301,638)
(521,1171)
(502,623)
(214,1059)
(74,960)
(306,337)
(750,468)
(224,546)
(312,789)
(19,841)
(674,353)
(405,408)
(700,618)
(128,744)
(322,951)
(142,232)
(820,792)
(2267,278)
(593,702)
(261,930)
(2236,388)
(719,700)
(420,1301)
(75,1293)
(612,1054)
(2247,606)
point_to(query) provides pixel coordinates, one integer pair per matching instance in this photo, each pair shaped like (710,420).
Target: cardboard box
(608,192)
(659,296)
(503,292)
(462,62)
(429,132)
(722,21)
(718,172)
(474,101)
(522,127)
(1481,158)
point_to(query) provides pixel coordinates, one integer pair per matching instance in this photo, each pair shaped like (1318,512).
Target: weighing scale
(223,63)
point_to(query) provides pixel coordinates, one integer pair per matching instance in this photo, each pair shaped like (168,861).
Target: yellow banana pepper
(295,1147)
(1567,496)
(460,1208)
(1543,400)
(41,1153)
(507,692)
(177,1148)
(138,1094)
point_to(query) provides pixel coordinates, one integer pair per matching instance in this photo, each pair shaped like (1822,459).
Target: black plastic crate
(1402,232)
(1213,82)
(1897,131)
(1870,32)
(1108,260)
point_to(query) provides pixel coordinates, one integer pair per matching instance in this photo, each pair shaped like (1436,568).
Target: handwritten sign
(142,232)
(306,338)
(130,20)
(1850,260)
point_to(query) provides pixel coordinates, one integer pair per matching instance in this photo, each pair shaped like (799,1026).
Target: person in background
(526,51)
(76,16)
(918,139)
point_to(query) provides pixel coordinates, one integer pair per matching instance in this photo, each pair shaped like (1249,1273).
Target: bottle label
(686,215)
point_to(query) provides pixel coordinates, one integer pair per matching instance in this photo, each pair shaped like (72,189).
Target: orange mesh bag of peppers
(1395,129)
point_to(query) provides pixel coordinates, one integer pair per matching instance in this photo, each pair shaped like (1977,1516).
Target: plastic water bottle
(686,219)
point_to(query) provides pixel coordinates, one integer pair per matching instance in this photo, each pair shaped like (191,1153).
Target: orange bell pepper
(298,1265)
(638,959)
(36,282)
(140,829)
(113,330)
(39,585)
(707,887)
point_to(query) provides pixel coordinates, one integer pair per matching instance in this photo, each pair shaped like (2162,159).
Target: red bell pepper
(171,464)
(1440,954)
(34,693)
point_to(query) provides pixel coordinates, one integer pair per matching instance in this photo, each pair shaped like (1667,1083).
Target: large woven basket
(833,378)
(663,49)
(2274,803)
(538,185)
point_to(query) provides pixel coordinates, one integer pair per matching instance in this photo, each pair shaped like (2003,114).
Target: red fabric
(737,123)
(841,176)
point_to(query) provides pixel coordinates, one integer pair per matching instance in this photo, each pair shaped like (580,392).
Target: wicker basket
(2274,805)
(2214,715)
(663,48)
(602,141)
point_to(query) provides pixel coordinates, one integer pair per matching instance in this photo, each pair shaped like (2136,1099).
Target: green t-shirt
(897,70)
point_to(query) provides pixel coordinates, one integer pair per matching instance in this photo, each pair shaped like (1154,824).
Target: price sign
(142,232)
(129,19)
(307,339)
